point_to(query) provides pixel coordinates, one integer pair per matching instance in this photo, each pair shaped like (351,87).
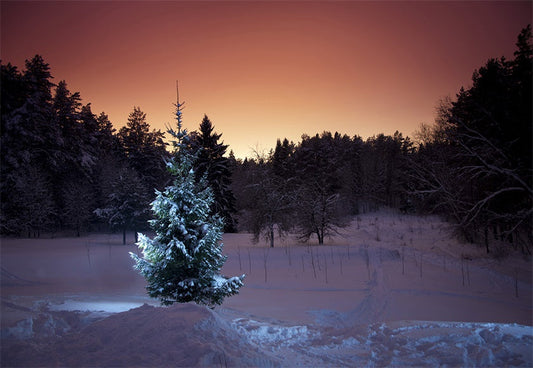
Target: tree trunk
(124,236)
(320,236)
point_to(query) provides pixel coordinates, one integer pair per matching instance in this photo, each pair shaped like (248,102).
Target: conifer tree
(182,262)
(211,163)
(126,207)
(144,149)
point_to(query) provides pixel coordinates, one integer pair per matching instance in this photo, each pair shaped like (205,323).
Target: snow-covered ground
(389,290)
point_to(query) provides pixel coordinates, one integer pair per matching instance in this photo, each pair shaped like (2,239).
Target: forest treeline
(65,168)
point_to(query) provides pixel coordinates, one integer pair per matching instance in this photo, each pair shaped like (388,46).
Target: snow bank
(189,335)
(178,336)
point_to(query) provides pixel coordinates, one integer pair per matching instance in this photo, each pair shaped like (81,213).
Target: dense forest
(65,168)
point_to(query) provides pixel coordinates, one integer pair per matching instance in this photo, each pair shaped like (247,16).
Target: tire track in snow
(377,297)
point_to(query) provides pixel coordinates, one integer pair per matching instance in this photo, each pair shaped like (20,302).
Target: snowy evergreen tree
(182,262)
(29,144)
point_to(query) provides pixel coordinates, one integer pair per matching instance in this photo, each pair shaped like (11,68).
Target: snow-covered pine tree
(182,262)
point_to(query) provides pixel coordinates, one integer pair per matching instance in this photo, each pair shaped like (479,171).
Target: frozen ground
(390,290)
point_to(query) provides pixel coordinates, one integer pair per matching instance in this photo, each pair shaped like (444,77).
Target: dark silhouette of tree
(76,150)
(282,159)
(52,142)
(383,161)
(314,186)
(79,203)
(318,173)
(29,142)
(109,160)
(144,149)
(127,203)
(211,162)
(270,201)
(33,206)
(13,90)
(485,181)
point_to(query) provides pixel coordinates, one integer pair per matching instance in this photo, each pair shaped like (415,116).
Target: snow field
(390,290)
(374,284)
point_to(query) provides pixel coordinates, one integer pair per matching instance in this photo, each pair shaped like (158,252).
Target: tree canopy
(182,262)
(473,165)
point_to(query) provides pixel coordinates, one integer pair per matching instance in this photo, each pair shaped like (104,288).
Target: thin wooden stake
(463,269)
(88,253)
(403,260)
(265,257)
(367,261)
(421,255)
(468,272)
(249,262)
(326,267)
(313,264)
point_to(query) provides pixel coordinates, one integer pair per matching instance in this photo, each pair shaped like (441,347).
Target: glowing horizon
(260,70)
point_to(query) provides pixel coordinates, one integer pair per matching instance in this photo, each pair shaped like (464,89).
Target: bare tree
(319,213)
(271,203)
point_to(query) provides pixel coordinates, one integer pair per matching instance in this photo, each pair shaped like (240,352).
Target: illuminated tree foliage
(182,262)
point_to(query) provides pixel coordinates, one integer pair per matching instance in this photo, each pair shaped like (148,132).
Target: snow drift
(189,335)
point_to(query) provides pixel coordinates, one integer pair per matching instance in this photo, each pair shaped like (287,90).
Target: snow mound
(142,337)
(417,343)
(188,335)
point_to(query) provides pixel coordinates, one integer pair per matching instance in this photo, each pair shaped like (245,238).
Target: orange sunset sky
(265,70)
